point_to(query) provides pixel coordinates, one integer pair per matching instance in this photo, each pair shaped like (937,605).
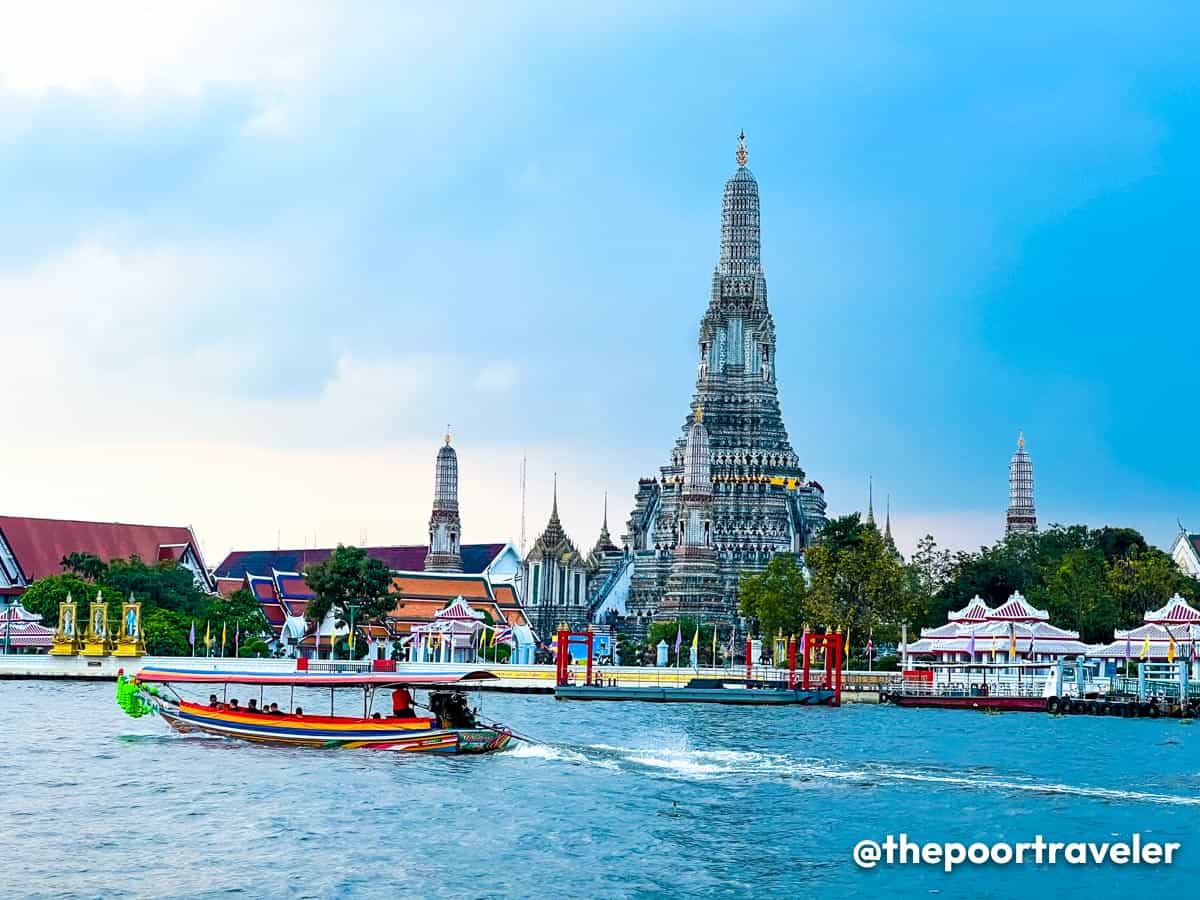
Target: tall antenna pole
(523,462)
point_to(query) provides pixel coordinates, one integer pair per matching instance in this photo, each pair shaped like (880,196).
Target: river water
(621,800)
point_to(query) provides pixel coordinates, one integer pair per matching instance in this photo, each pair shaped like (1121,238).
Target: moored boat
(990,687)
(451,726)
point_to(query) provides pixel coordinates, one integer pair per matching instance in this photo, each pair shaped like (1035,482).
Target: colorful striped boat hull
(399,735)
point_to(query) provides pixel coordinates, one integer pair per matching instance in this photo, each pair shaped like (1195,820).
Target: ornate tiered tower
(694,584)
(557,577)
(760,501)
(445,528)
(1022,517)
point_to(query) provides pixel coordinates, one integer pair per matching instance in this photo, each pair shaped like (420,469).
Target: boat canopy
(163,675)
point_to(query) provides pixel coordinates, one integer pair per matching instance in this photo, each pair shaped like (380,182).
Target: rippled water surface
(620,800)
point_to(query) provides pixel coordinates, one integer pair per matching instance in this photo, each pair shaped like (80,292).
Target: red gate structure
(562,657)
(831,645)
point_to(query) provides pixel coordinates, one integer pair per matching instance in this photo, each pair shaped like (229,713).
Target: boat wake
(715,765)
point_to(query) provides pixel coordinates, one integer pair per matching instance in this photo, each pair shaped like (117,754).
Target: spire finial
(1020,440)
(447,434)
(742,155)
(605,524)
(554,507)
(870,500)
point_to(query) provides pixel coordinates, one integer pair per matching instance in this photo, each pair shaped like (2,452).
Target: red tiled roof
(411,558)
(40,544)
(227,586)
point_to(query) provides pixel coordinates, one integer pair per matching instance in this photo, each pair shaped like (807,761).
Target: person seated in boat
(252,706)
(275,710)
(213,702)
(376,715)
(233,705)
(402,704)
(299,711)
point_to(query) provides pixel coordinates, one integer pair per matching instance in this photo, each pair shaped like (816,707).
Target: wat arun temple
(732,493)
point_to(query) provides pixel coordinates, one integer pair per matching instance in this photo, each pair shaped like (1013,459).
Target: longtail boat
(450,727)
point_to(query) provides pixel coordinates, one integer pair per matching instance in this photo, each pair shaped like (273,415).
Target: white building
(1186,553)
(1013,631)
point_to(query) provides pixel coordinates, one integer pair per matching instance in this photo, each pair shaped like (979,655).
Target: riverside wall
(538,679)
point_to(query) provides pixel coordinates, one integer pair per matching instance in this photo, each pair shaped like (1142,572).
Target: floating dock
(808,687)
(700,690)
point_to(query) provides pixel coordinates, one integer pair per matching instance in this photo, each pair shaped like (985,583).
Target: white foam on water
(705,765)
(556,753)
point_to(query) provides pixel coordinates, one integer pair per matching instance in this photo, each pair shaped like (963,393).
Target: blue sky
(252,262)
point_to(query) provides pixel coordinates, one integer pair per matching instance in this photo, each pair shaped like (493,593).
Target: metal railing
(919,688)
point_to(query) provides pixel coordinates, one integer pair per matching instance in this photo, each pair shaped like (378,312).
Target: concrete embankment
(860,687)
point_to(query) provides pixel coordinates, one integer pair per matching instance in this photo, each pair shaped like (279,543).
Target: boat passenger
(299,711)
(233,705)
(376,715)
(213,702)
(402,704)
(253,706)
(275,710)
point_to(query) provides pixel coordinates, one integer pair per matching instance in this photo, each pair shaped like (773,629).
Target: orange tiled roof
(423,586)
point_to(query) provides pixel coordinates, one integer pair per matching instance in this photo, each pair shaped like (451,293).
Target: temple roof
(604,543)
(553,541)
(39,545)
(976,610)
(405,558)
(1174,611)
(1017,608)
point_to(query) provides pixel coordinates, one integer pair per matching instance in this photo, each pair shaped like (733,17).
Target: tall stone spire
(870,500)
(888,541)
(740,242)
(760,500)
(604,544)
(694,584)
(1022,517)
(445,527)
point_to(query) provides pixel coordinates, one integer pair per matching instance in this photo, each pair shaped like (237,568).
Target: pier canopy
(23,631)
(1014,630)
(1168,633)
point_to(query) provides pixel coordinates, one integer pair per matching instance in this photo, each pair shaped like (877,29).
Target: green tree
(44,595)
(778,598)
(165,585)
(85,565)
(254,648)
(241,609)
(860,585)
(1076,593)
(1144,580)
(165,632)
(348,576)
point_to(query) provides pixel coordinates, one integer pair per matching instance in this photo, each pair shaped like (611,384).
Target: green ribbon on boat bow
(129,697)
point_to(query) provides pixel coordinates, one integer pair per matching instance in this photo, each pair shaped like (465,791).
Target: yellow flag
(846,649)
(1145,648)
(1171,648)
(222,638)
(208,635)
(993,648)
(492,638)
(696,639)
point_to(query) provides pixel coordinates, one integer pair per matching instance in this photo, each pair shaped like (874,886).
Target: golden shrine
(130,641)
(97,641)
(66,637)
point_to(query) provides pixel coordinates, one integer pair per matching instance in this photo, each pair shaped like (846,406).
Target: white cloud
(136,48)
(497,376)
